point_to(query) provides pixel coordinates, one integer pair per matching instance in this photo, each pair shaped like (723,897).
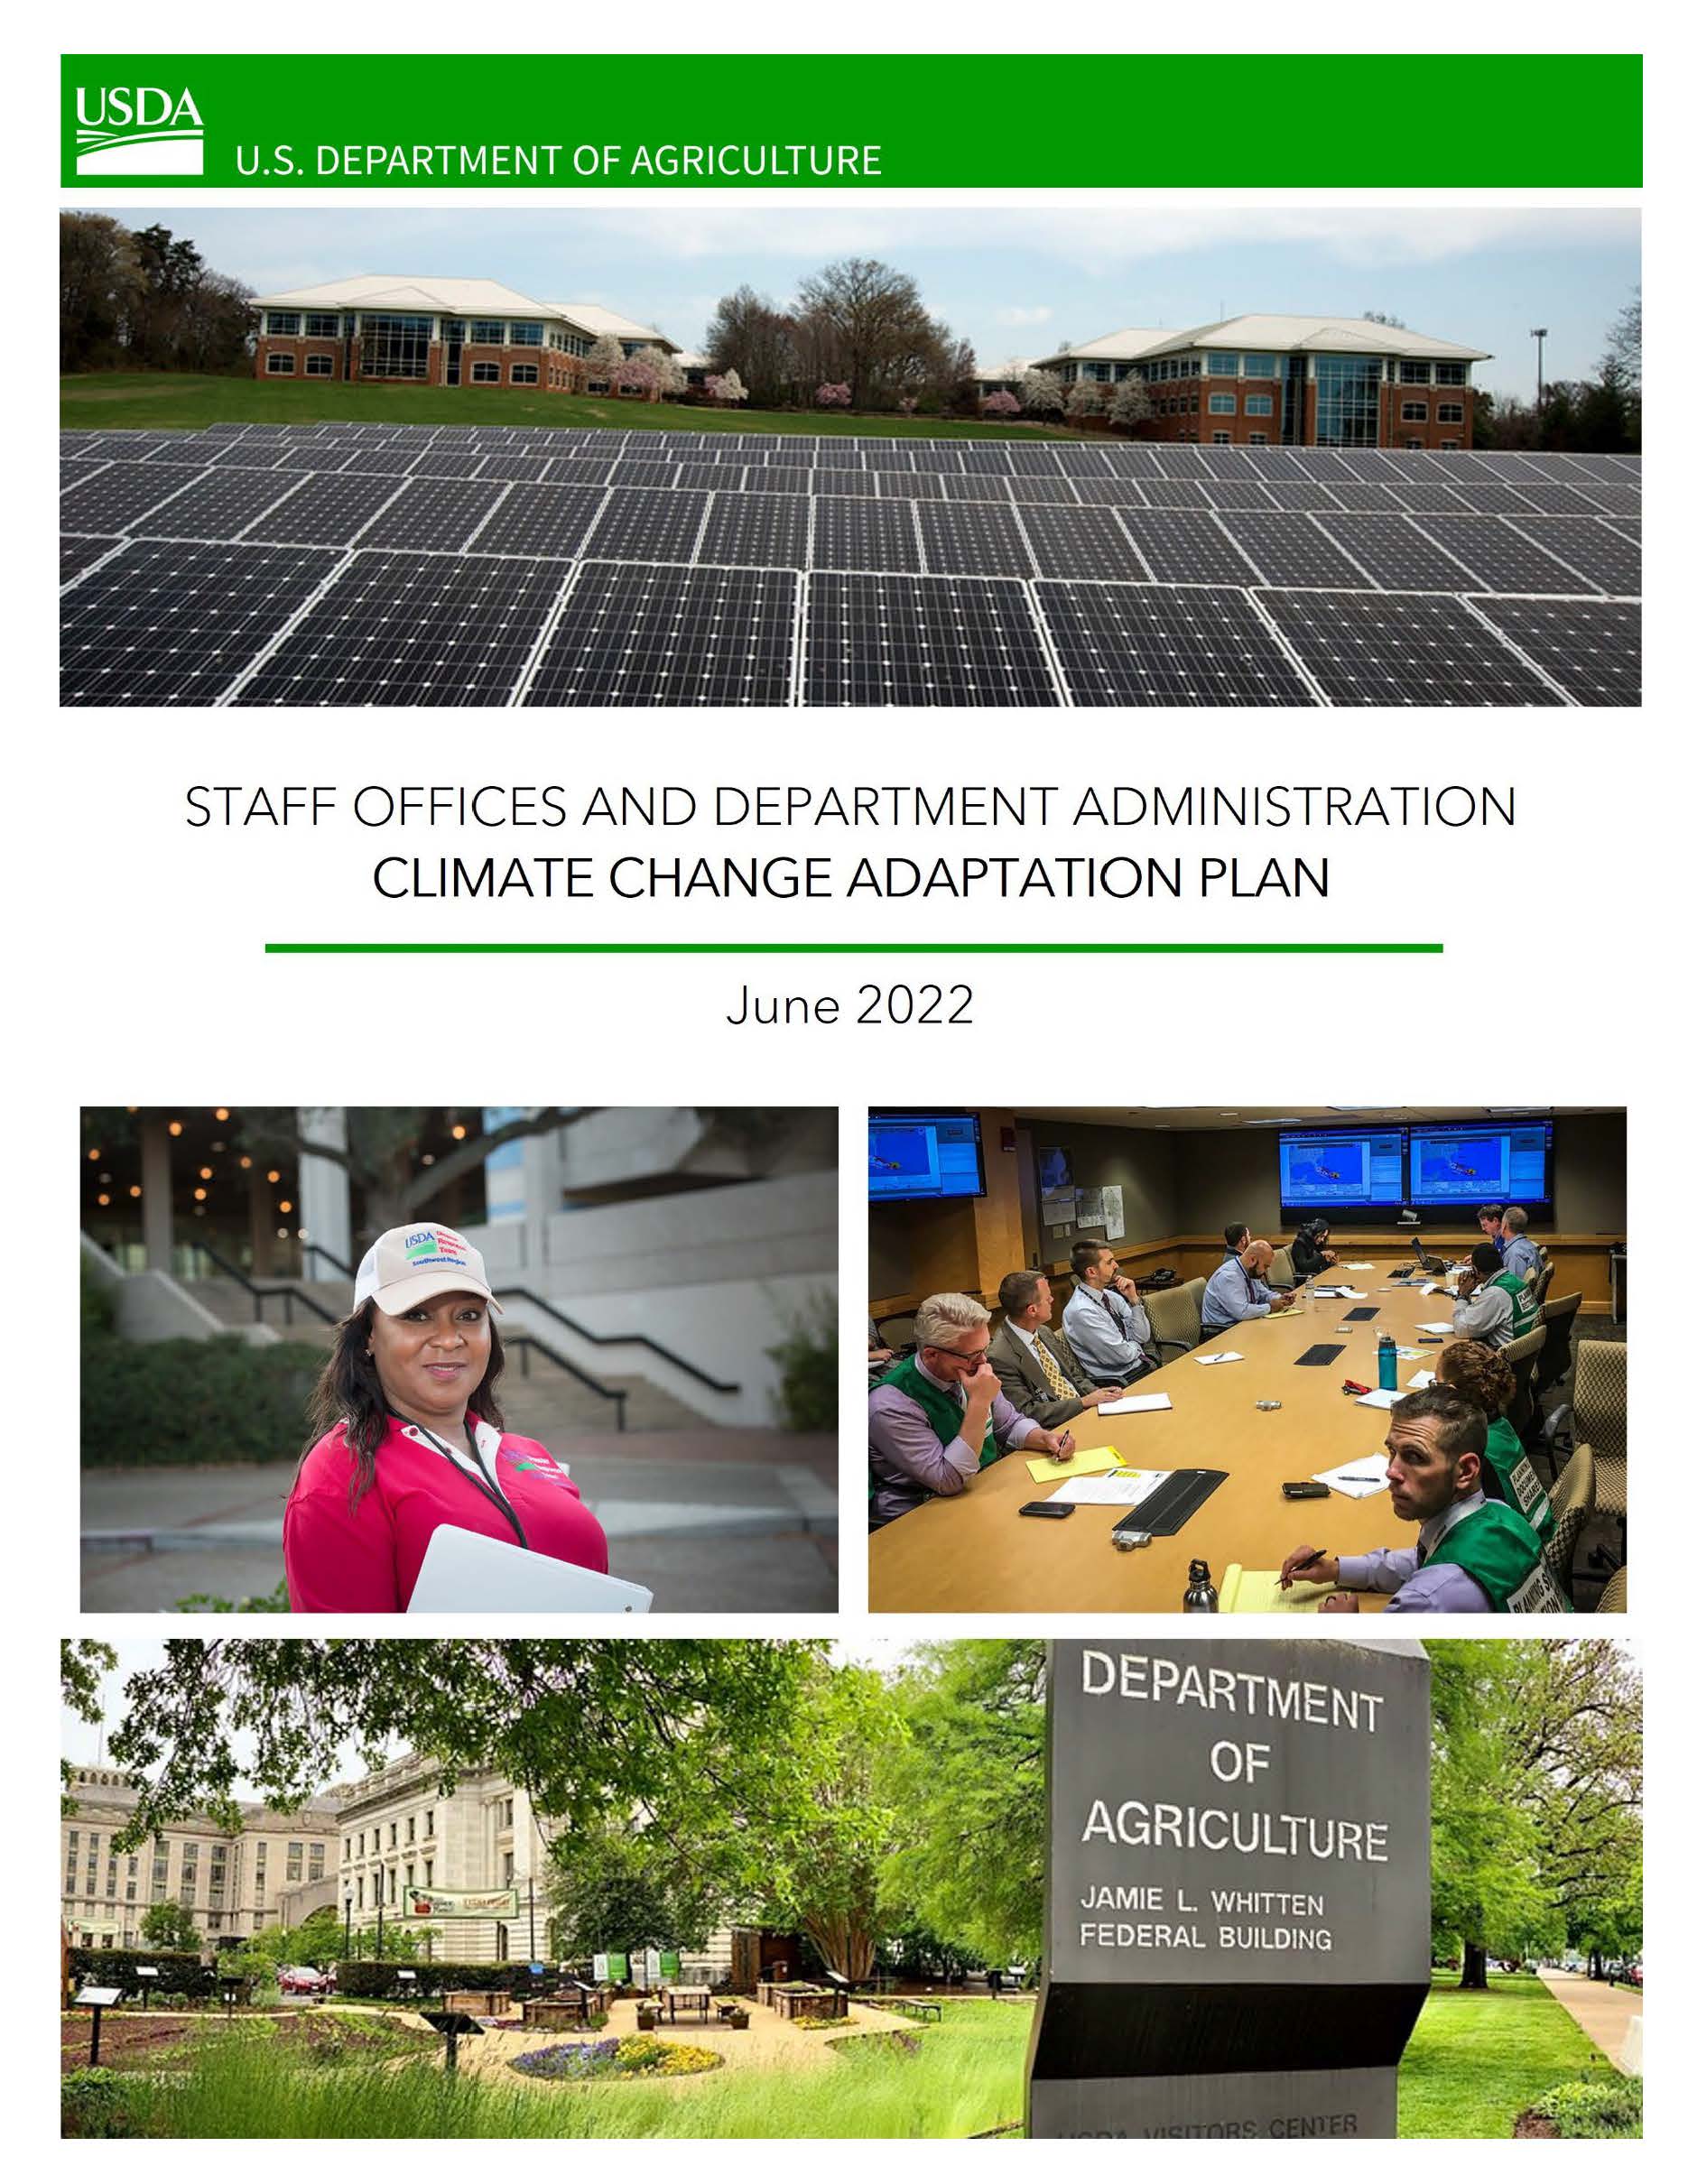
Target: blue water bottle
(1385,1361)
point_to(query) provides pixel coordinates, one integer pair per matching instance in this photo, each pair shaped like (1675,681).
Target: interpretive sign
(460,1903)
(1236,1900)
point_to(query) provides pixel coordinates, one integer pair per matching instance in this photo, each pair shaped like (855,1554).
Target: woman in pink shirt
(411,1437)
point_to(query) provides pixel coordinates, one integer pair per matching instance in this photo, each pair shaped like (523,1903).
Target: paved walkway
(709,1520)
(1604,2012)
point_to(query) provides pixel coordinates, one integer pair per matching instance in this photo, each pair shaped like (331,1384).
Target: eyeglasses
(961,1356)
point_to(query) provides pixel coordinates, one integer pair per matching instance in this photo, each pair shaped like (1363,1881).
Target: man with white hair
(939,1418)
(1518,1256)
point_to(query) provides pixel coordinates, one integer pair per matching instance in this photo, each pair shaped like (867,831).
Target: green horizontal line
(852,947)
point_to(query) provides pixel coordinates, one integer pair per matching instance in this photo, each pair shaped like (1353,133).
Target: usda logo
(138,129)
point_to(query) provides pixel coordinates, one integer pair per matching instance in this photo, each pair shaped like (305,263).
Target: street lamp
(1538,334)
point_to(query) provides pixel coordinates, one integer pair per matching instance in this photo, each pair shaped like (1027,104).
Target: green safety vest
(944,1412)
(1524,1308)
(1515,1479)
(1494,1547)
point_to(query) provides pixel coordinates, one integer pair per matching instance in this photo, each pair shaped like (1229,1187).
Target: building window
(410,1876)
(1221,440)
(1258,367)
(1414,443)
(318,368)
(525,375)
(322,326)
(1416,412)
(395,345)
(486,374)
(1449,412)
(1451,443)
(279,364)
(1221,363)
(1346,406)
(487,332)
(1256,439)
(318,1852)
(295,1860)
(281,322)
(360,1891)
(1222,405)
(1258,405)
(393,1835)
(427,1873)
(410,1829)
(1412,375)
(428,1827)
(526,334)
(1450,374)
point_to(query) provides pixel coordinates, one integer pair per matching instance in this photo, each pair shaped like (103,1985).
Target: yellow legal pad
(1084,1465)
(1256,1592)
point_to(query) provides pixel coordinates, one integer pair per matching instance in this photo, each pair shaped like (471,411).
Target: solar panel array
(341,564)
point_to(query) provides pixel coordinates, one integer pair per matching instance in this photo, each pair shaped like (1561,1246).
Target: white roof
(689,360)
(1272,332)
(412,292)
(593,319)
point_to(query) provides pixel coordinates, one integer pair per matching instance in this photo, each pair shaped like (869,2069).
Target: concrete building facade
(1278,379)
(234,1882)
(441,333)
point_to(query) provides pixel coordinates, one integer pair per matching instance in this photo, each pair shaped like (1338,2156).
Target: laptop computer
(468,1573)
(1431,1264)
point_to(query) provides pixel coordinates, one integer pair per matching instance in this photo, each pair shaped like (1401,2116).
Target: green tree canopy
(169,1926)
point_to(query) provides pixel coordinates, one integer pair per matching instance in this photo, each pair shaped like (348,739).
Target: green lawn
(1476,2062)
(101,402)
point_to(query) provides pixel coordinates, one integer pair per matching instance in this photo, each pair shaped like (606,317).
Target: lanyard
(478,1478)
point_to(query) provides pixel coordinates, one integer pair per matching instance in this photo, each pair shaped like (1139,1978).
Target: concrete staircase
(540,1399)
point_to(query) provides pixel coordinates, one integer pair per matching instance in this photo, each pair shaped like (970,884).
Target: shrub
(91,2106)
(642,2055)
(376,1979)
(179,1975)
(222,1402)
(832,397)
(808,1359)
(1609,2108)
(1000,404)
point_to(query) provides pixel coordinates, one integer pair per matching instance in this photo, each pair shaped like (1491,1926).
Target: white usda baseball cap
(406,1267)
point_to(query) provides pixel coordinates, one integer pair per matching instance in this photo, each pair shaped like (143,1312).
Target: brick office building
(1268,381)
(438,333)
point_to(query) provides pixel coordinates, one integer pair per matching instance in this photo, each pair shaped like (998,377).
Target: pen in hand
(1313,1555)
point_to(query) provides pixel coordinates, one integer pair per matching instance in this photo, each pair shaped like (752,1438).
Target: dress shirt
(1106,1334)
(1445,1590)
(906,1460)
(1232,1295)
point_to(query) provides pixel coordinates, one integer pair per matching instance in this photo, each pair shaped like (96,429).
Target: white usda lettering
(138,129)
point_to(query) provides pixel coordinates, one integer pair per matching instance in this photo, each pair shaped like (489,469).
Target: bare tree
(751,335)
(865,323)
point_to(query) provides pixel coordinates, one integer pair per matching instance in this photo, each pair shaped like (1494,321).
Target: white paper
(1123,1489)
(1222,1358)
(1125,1404)
(1332,1292)
(1354,1296)
(1357,1266)
(1402,1351)
(1421,1380)
(1382,1399)
(1436,1327)
(1426,1289)
(1358,1480)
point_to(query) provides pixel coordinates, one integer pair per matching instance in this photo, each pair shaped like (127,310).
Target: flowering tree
(640,375)
(832,397)
(730,387)
(1000,404)
(1041,393)
(605,359)
(1131,404)
(670,375)
(1084,399)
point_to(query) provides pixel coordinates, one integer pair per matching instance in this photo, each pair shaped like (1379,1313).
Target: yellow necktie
(1052,1372)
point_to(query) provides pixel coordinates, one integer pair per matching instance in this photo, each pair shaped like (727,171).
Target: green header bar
(231,121)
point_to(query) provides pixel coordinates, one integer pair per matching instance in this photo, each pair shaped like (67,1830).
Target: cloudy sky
(1017,279)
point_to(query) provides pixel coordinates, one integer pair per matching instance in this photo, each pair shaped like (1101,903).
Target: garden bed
(640,2056)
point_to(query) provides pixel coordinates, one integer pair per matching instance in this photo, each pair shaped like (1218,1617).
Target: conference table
(973,1552)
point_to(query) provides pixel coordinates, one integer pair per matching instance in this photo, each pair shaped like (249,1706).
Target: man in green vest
(1494,1306)
(1474,1556)
(1484,1378)
(939,1418)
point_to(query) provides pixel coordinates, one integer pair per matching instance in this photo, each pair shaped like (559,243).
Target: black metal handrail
(657,1349)
(333,1258)
(524,1343)
(286,1290)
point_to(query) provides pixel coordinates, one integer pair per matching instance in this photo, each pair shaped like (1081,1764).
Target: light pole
(1538,334)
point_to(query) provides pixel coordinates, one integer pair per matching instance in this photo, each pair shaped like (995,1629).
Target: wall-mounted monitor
(1353,1174)
(923,1156)
(1479,1163)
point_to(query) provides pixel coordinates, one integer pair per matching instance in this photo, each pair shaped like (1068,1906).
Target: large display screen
(923,1156)
(1340,1171)
(1481,1164)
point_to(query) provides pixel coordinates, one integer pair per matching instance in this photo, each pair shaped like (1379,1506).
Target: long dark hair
(349,1387)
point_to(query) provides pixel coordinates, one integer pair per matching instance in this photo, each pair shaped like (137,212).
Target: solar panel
(1178,492)
(1238,492)
(634,470)
(1397,556)
(887,640)
(776,478)
(1591,547)
(1082,543)
(670,637)
(1111,492)
(1302,493)
(544,519)
(864,534)
(436,514)
(973,539)
(527,468)
(1591,647)
(1423,496)
(1047,489)
(326,511)
(220,505)
(413,629)
(75,554)
(649,524)
(117,495)
(1186,549)
(1366,648)
(1292,550)
(1167,645)
(165,623)
(762,531)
